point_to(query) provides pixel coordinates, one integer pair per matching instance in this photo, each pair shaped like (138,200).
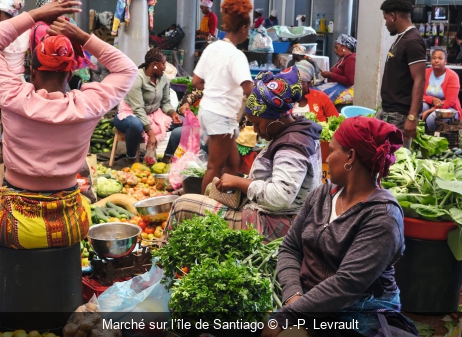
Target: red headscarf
(55,53)
(374,141)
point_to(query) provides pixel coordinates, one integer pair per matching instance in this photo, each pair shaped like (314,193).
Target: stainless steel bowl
(113,239)
(155,209)
(162,183)
(445,113)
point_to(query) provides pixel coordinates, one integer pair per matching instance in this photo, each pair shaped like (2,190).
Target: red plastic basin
(427,230)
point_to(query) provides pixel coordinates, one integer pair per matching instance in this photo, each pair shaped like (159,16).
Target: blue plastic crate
(254,71)
(281,47)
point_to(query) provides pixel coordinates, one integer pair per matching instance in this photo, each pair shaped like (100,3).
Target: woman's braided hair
(153,55)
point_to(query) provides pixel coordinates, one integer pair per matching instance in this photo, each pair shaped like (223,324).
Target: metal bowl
(162,183)
(155,209)
(445,113)
(113,239)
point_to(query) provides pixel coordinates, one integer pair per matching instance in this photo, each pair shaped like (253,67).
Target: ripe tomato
(149,230)
(142,224)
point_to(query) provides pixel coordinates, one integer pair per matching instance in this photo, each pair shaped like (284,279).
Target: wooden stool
(120,137)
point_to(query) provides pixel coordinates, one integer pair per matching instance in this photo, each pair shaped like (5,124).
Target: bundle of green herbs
(210,268)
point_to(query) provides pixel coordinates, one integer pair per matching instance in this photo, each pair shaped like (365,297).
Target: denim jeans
(132,127)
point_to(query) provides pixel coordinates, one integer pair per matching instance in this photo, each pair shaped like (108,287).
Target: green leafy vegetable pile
(427,146)
(219,270)
(181,80)
(329,127)
(425,188)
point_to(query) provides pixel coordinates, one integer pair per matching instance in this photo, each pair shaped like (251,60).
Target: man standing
(404,74)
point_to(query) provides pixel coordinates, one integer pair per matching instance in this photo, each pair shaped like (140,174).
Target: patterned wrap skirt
(31,220)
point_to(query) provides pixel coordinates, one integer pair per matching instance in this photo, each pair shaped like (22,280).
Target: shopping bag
(260,42)
(87,178)
(142,297)
(190,136)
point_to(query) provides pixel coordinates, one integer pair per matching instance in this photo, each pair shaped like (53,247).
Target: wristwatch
(411,118)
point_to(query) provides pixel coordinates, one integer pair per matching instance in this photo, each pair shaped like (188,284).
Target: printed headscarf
(54,53)
(298,49)
(374,141)
(307,70)
(273,96)
(259,10)
(11,7)
(206,3)
(346,40)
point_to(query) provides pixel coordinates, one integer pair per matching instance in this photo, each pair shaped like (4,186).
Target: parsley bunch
(229,290)
(200,238)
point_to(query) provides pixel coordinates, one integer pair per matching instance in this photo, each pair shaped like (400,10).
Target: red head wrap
(54,53)
(374,141)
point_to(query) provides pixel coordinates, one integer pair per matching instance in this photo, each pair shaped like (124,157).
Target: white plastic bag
(260,41)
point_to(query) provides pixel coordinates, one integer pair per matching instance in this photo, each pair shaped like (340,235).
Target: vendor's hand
(73,32)
(227,182)
(152,141)
(437,102)
(183,108)
(426,113)
(176,118)
(326,74)
(49,12)
(269,332)
(410,128)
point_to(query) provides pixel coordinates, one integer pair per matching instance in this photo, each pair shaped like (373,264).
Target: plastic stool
(354,111)
(39,281)
(120,137)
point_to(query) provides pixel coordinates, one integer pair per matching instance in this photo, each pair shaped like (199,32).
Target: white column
(134,39)
(186,18)
(374,41)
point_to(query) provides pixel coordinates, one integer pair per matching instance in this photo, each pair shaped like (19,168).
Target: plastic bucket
(192,185)
(427,230)
(429,277)
(354,111)
(44,285)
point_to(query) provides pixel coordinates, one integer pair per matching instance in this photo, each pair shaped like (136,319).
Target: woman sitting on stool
(442,90)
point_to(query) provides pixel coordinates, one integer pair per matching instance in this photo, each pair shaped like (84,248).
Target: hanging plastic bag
(190,136)
(150,157)
(87,178)
(142,297)
(260,42)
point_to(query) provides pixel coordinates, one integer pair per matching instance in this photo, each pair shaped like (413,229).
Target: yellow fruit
(150,236)
(144,235)
(34,333)
(8,334)
(50,334)
(158,232)
(158,168)
(167,168)
(139,166)
(18,332)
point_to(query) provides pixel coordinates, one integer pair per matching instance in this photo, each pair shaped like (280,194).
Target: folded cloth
(160,122)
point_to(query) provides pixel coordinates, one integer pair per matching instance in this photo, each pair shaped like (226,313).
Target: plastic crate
(453,138)
(91,287)
(255,71)
(281,47)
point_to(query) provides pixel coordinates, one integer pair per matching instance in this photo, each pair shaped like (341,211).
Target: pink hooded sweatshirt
(47,135)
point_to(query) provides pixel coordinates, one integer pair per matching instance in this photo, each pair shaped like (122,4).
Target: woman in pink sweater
(47,132)
(441,90)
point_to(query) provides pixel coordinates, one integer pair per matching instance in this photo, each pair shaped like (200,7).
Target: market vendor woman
(284,172)
(47,131)
(337,260)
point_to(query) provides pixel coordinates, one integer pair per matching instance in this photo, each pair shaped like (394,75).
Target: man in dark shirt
(404,74)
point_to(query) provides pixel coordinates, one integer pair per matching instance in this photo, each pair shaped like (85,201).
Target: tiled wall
(324,7)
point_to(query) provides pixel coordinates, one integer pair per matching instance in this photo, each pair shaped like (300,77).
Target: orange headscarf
(54,53)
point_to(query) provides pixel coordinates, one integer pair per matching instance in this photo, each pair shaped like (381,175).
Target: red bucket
(427,230)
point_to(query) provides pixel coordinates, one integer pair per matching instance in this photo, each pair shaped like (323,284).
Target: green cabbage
(107,187)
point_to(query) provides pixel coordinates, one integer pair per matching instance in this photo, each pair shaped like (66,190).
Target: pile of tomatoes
(151,231)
